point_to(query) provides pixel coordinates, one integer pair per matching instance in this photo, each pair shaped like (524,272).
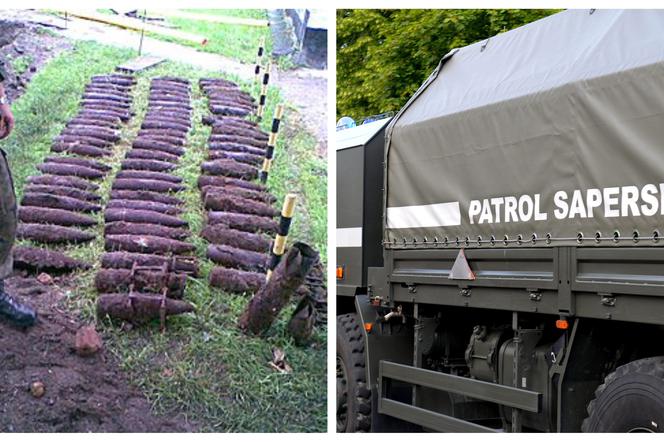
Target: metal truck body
(521,286)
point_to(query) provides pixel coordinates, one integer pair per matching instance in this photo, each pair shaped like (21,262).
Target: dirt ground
(88,394)
(29,42)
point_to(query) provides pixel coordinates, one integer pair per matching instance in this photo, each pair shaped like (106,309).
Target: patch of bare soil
(27,47)
(82,394)
(307,90)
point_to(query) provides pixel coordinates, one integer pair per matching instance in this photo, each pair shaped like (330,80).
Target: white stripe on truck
(349,237)
(430,215)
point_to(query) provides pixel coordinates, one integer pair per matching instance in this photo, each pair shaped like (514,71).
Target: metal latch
(465,292)
(535,295)
(608,300)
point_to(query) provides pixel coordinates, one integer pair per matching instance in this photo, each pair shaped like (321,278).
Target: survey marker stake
(279,245)
(271,143)
(259,58)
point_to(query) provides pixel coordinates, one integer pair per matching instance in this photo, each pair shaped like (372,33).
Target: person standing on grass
(10,309)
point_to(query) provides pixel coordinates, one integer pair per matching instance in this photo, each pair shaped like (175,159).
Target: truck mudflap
(516,398)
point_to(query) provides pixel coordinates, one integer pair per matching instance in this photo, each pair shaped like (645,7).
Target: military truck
(500,260)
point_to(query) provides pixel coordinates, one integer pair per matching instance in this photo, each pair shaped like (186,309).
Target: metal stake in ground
(271,143)
(282,234)
(259,58)
(263,97)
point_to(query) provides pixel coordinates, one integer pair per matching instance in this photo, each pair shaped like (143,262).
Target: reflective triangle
(461,269)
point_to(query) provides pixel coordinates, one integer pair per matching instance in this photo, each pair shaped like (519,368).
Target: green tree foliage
(384,55)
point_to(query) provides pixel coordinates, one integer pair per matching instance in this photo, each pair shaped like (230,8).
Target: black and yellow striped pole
(271,143)
(263,97)
(279,245)
(259,58)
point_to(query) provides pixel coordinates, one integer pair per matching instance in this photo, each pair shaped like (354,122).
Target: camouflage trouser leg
(7,216)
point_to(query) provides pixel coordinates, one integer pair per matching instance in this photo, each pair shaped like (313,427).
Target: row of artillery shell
(54,205)
(240,212)
(142,224)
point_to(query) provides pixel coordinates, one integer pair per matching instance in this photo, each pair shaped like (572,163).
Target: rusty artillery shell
(228,110)
(230,97)
(145,195)
(141,143)
(38,260)
(56,180)
(106,97)
(144,205)
(219,200)
(121,80)
(237,121)
(126,260)
(181,128)
(146,154)
(147,244)
(236,139)
(121,91)
(240,157)
(251,194)
(51,234)
(220,234)
(152,132)
(58,202)
(99,115)
(163,138)
(106,104)
(167,117)
(71,192)
(169,92)
(100,134)
(125,228)
(148,175)
(45,215)
(151,165)
(144,184)
(93,122)
(205,82)
(236,281)
(274,295)
(244,222)
(78,162)
(91,130)
(230,168)
(211,180)
(228,129)
(85,150)
(235,147)
(78,140)
(139,307)
(70,170)
(120,280)
(230,102)
(123,116)
(143,217)
(302,321)
(237,258)
(168,105)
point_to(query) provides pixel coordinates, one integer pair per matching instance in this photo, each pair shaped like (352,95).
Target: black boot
(15,312)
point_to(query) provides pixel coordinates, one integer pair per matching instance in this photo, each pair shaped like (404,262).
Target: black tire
(631,399)
(353,394)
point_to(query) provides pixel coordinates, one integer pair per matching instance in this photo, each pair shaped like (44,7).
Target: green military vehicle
(500,260)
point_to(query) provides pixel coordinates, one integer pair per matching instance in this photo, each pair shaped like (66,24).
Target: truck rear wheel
(631,399)
(353,395)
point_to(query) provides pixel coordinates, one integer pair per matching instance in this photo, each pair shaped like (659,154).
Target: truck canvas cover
(550,134)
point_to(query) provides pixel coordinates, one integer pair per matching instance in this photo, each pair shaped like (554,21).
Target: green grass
(239,42)
(21,64)
(202,366)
